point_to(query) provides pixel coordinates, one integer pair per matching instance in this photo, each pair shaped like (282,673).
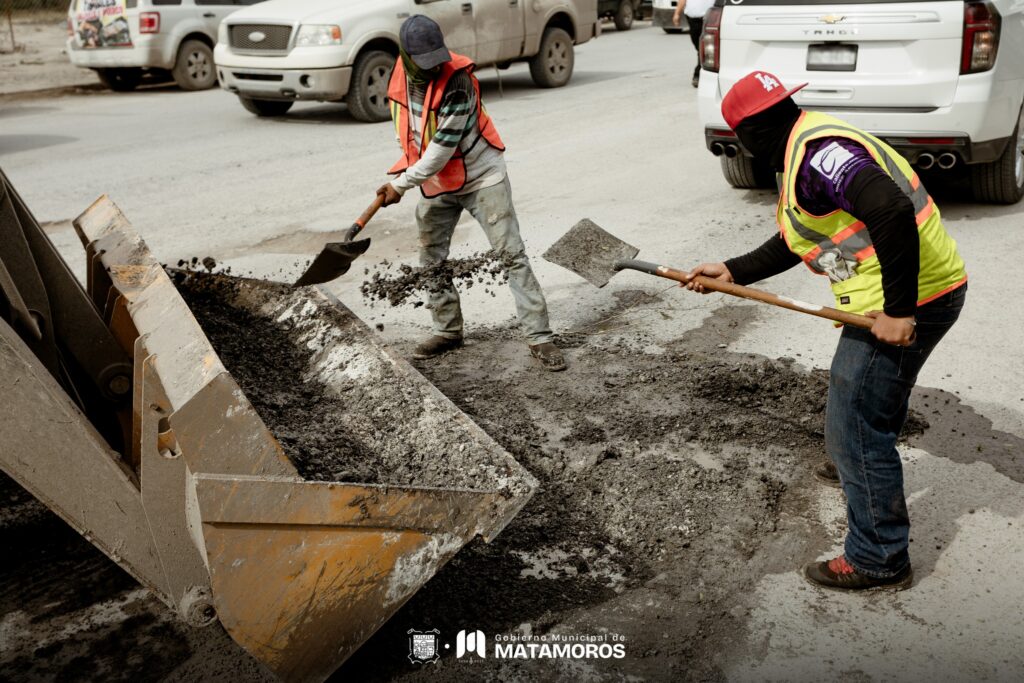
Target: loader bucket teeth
(215,517)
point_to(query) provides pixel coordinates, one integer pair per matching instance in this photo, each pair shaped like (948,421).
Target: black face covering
(765,134)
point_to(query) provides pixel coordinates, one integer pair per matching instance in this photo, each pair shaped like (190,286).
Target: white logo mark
(471,641)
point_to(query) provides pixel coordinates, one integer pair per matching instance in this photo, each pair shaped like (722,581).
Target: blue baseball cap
(423,41)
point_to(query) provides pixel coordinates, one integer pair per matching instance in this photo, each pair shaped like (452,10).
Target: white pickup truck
(280,51)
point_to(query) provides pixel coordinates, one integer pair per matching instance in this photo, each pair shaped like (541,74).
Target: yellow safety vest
(838,244)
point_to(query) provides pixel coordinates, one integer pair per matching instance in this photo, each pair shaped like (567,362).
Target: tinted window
(164,2)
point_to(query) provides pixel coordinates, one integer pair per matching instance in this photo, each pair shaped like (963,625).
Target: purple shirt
(828,166)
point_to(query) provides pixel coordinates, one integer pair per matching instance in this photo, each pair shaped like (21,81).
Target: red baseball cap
(752,94)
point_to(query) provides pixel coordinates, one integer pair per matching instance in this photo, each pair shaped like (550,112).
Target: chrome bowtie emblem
(831,18)
(257,36)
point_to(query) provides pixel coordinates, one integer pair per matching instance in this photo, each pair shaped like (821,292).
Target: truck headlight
(318,34)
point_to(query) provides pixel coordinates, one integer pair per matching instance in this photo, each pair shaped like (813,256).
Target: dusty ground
(673,480)
(39,60)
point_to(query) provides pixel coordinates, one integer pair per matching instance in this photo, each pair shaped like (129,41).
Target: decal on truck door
(102,23)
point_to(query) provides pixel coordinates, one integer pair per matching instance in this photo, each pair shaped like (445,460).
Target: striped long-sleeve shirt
(457,128)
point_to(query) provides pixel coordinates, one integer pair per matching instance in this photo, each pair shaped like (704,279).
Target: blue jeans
(868,395)
(492,208)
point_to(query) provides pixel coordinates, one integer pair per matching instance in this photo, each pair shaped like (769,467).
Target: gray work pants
(492,208)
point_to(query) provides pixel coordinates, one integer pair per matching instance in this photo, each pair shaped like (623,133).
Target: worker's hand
(715,270)
(676,19)
(895,331)
(391,195)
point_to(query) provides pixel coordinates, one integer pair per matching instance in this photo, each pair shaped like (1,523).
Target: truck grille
(275,38)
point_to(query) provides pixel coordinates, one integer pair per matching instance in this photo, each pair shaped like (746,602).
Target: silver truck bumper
(298,84)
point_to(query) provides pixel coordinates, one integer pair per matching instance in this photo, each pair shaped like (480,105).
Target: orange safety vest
(452,177)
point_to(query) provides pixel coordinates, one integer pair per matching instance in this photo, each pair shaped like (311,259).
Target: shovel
(596,255)
(336,257)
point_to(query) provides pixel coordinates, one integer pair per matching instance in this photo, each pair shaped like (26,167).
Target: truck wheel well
(201,37)
(564,22)
(382,44)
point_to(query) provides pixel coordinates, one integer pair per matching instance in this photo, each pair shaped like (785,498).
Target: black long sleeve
(888,213)
(771,258)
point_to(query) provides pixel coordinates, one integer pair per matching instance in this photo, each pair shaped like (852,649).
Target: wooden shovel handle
(365,217)
(734,289)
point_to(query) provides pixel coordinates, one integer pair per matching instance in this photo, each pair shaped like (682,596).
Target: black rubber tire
(266,107)
(193,68)
(120,80)
(624,15)
(552,66)
(745,173)
(367,97)
(1002,181)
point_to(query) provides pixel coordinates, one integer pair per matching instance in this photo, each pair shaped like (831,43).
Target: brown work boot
(435,346)
(549,355)
(838,574)
(827,474)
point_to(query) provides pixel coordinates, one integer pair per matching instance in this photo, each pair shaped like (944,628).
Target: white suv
(942,81)
(122,39)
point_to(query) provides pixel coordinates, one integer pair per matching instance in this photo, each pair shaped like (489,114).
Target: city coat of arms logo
(423,646)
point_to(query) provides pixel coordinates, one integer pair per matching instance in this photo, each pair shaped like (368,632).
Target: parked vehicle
(622,12)
(121,40)
(661,15)
(343,50)
(942,81)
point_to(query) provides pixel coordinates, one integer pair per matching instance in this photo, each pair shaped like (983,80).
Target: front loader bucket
(300,569)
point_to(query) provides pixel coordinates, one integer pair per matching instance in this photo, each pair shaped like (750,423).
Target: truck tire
(552,66)
(1002,181)
(745,173)
(193,69)
(367,97)
(266,107)
(120,80)
(624,15)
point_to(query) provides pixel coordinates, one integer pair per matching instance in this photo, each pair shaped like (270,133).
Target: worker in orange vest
(452,152)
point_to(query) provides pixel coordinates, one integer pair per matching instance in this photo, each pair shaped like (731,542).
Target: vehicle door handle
(467,8)
(513,3)
(209,15)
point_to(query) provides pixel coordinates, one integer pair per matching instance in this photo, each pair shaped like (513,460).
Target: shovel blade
(333,262)
(591,252)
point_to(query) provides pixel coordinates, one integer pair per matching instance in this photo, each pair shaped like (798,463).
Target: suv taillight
(981,37)
(149,22)
(709,40)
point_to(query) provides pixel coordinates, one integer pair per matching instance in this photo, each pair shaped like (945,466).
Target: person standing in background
(694,10)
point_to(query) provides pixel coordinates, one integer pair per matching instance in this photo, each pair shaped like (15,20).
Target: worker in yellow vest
(452,152)
(852,209)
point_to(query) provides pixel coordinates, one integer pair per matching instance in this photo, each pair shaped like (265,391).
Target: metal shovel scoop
(596,255)
(336,257)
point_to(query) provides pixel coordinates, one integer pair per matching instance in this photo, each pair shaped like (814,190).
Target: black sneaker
(549,355)
(827,474)
(838,574)
(435,346)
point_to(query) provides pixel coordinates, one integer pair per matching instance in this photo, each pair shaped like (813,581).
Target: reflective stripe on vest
(838,245)
(452,177)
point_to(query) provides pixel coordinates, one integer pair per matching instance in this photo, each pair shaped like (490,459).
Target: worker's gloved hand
(895,331)
(714,270)
(391,195)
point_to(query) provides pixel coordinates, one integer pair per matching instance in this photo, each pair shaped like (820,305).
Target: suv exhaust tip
(925,161)
(717,148)
(731,151)
(946,161)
